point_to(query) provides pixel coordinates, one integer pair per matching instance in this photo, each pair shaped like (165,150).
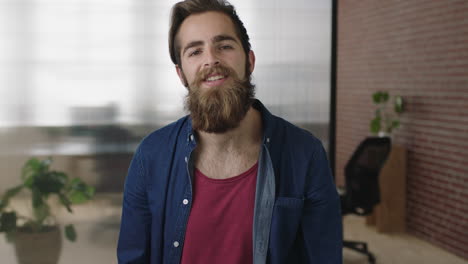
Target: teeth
(214,78)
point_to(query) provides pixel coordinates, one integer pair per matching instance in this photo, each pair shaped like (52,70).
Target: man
(230,183)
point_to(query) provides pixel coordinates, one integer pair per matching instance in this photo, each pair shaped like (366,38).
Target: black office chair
(362,184)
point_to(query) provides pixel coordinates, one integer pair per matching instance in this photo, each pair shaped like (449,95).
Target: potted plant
(37,234)
(389,214)
(387,114)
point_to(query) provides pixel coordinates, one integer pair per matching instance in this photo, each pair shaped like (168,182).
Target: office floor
(97,224)
(393,248)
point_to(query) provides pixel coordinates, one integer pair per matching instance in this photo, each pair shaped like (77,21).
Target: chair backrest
(361,173)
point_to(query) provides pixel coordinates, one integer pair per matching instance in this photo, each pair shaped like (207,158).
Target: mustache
(219,69)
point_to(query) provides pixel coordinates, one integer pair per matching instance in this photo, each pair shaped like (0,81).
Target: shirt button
(186,160)
(176,244)
(268,140)
(191,137)
(185,201)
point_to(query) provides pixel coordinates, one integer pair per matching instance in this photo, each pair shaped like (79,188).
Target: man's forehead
(207,26)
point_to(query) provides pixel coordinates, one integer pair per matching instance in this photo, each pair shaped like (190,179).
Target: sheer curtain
(95,61)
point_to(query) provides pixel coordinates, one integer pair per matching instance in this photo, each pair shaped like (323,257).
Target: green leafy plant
(42,183)
(387,113)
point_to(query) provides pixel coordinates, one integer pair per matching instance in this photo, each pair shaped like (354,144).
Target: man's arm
(135,228)
(322,222)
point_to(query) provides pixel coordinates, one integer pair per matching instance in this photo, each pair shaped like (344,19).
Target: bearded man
(230,182)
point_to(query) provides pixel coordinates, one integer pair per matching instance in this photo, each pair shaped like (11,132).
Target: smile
(215,80)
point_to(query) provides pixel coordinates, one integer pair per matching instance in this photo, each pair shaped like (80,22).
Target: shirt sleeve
(322,222)
(135,228)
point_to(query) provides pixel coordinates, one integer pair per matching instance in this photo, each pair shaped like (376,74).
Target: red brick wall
(417,49)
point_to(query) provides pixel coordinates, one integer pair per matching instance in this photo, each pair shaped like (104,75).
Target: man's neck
(223,155)
(247,133)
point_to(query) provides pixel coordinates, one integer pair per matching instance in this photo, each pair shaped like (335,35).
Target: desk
(389,215)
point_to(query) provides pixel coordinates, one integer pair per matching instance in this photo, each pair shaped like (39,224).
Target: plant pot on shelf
(389,215)
(38,247)
(387,114)
(382,134)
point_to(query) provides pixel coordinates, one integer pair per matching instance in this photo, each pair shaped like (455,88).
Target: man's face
(214,68)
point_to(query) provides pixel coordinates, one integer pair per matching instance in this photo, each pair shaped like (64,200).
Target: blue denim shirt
(297,216)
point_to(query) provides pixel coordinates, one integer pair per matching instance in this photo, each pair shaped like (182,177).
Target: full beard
(221,108)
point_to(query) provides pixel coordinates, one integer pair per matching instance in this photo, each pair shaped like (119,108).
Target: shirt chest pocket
(287,213)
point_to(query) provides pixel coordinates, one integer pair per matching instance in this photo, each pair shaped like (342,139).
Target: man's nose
(211,58)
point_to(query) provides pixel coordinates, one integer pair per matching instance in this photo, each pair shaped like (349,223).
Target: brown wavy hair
(183,9)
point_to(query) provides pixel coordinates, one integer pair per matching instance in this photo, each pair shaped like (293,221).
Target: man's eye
(194,53)
(225,47)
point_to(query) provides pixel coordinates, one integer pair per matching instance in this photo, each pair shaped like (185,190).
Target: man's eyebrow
(220,38)
(192,44)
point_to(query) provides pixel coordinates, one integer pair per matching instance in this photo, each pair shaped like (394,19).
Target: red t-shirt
(219,228)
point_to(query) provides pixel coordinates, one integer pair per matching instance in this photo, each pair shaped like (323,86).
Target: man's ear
(252,61)
(181,75)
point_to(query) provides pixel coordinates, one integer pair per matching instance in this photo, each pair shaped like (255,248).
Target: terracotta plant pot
(38,248)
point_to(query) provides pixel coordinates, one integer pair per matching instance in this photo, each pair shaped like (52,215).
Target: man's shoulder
(284,132)
(165,136)
(295,144)
(293,135)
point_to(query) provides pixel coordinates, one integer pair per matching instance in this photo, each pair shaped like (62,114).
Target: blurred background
(83,81)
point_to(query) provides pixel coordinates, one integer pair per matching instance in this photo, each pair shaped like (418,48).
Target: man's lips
(214,79)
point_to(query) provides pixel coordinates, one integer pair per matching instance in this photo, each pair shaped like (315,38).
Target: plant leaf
(66,202)
(380,97)
(37,199)
(385,96)
(33,169)
(51,182)
(12,192)
(8,194)
(8,222)
(40,207)
(28,176)
(77,197)
(70,233)
(79,191)
(376,97)
(375,125)
(30,167)
(42,213)
(29,181)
